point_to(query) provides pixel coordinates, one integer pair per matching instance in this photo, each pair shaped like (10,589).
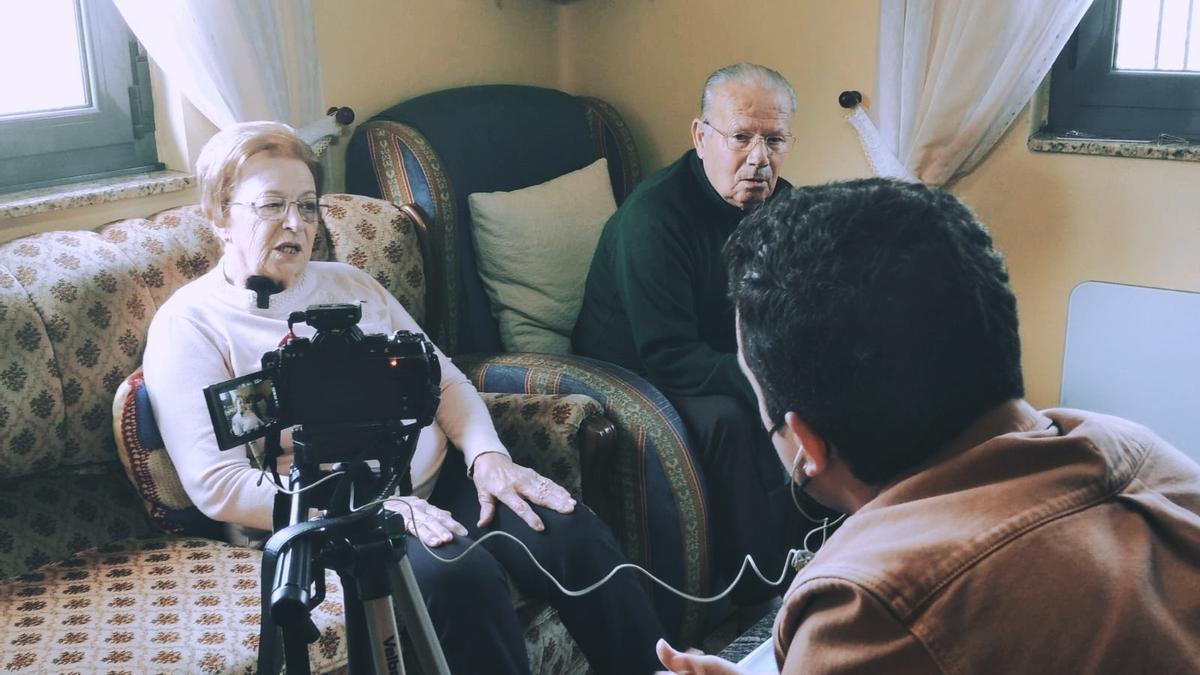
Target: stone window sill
(90,193)
(1108,147)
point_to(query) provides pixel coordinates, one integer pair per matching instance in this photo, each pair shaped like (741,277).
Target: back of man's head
(879,313)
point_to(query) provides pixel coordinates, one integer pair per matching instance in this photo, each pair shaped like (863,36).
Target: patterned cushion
(169,605)
(74,310)
(47,518)
(375,236)
(542,432)
(149,467)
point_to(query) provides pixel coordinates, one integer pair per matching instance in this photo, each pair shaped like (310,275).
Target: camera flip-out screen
(242,409)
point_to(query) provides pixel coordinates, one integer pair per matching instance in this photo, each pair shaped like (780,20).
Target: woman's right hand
(421,519)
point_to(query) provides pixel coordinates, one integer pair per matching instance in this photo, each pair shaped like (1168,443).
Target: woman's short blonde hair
(224,154)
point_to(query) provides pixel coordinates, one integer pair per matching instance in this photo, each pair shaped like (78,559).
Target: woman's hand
(498,478)
(693,662)
(422,519)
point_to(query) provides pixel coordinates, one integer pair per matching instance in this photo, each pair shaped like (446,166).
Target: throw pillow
(534,247)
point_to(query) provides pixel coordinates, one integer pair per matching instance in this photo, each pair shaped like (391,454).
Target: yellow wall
(378,52)
(1059,219)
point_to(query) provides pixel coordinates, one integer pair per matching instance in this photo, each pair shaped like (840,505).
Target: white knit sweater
(210,331)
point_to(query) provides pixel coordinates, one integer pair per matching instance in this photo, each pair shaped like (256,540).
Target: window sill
(90,193)
(1107,147)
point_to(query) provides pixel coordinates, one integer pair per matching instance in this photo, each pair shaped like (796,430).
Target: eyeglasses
(274,209)
(743,141)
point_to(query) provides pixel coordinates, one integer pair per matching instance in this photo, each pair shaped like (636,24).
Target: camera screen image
(242,409)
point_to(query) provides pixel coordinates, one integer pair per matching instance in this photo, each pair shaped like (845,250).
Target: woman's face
(278,248)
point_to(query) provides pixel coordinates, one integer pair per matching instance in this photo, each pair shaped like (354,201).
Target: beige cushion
(534,247)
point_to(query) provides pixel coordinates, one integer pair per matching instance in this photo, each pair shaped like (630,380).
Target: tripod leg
(410,611)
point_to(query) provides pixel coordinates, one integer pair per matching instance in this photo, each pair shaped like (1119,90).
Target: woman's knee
(477,579)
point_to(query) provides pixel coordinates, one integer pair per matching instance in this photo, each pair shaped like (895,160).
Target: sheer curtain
(237,60)
(952,75)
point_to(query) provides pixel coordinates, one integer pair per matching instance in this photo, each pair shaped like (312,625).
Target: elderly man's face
(743,177)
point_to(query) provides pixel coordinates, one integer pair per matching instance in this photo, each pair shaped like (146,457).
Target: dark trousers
(469,602)
(750,509)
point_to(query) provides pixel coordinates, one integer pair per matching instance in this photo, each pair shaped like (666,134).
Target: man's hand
(498,478)
(693,662)
(421,519)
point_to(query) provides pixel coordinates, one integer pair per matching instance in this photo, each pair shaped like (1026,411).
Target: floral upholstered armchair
(433,154)
(105,565)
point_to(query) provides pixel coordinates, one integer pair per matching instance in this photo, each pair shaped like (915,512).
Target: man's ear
(698,136)
(816,451)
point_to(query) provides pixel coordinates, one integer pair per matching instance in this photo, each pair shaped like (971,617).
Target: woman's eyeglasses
(274,209)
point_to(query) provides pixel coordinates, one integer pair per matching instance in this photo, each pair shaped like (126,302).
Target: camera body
(340,384)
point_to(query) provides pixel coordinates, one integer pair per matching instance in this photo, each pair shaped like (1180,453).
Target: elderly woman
(260,188)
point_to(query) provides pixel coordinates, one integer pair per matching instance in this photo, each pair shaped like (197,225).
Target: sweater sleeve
(462,414)
(841,628)
(181,359)
(656,272)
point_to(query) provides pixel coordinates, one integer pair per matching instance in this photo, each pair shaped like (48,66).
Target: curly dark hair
(879,313)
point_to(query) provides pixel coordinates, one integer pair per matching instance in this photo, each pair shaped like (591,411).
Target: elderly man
(655,302)
(878,327)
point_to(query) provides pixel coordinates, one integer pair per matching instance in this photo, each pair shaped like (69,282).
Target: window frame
(111,136)
(1089,98)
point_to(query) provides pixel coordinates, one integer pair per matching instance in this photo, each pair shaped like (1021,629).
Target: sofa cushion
(48,517)
(542,432)
(169,605)
(149,467)
(374,235)
(76,307)
(534,247)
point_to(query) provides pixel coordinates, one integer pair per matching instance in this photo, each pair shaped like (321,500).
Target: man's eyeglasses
(743,141)
(274,209)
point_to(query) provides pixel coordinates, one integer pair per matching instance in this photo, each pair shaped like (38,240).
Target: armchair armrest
(564,437)
(655,501)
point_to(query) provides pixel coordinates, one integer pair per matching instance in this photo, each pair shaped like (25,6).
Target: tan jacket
(1038,542)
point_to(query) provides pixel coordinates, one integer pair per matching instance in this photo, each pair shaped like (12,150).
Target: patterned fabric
(75,307)
(152,606)
(660,517)
(552,650)
(542,432)
(612,139)
(373,235)
(140,449)
(47,518)
(408,171)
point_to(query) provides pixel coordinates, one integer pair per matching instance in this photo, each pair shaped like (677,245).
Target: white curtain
(237,60)
(952,75)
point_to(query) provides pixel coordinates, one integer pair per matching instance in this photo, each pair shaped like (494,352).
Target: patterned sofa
(97,571)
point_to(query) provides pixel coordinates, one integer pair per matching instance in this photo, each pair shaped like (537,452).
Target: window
(76,94)
(1131,71)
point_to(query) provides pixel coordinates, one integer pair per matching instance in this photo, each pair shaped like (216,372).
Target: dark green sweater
(656,299)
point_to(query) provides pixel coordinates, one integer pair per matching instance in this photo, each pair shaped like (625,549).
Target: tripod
(367,550)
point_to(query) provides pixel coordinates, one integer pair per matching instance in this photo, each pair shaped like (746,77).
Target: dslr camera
(343,387)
